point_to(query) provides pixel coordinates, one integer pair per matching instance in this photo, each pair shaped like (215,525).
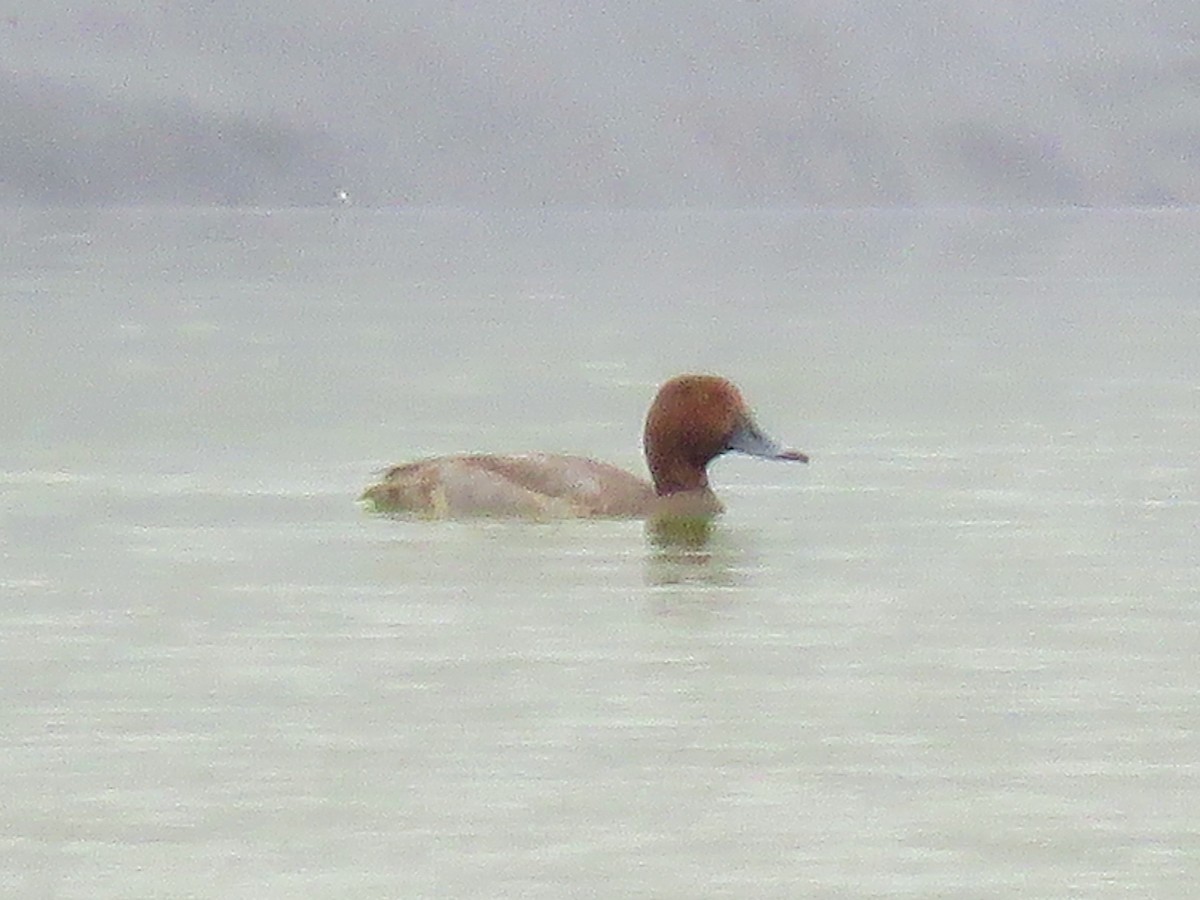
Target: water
(956,656)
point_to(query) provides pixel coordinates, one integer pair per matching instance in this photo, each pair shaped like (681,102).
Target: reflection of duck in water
(693,420)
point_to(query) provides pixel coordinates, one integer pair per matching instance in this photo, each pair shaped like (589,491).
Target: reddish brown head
(693,419)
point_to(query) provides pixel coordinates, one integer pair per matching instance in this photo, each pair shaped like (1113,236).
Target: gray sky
(677,102)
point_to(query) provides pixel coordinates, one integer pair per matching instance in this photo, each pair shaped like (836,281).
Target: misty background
(670,103)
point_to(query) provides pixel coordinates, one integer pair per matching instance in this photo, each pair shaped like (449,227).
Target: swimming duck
(693,420)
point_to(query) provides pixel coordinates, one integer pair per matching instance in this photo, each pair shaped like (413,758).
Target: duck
(692,420)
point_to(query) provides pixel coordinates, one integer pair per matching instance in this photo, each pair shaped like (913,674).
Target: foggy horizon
(732,104)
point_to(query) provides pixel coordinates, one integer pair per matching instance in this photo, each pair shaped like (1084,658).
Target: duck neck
(678,477)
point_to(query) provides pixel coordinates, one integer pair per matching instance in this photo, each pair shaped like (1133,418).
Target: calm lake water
(956,656)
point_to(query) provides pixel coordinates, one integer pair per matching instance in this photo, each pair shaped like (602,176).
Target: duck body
(693,419)
(533,485)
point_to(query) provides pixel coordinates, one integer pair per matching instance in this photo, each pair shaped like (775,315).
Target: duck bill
(749,439)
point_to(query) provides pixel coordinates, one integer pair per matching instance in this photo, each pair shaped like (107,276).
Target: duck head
(693,420)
